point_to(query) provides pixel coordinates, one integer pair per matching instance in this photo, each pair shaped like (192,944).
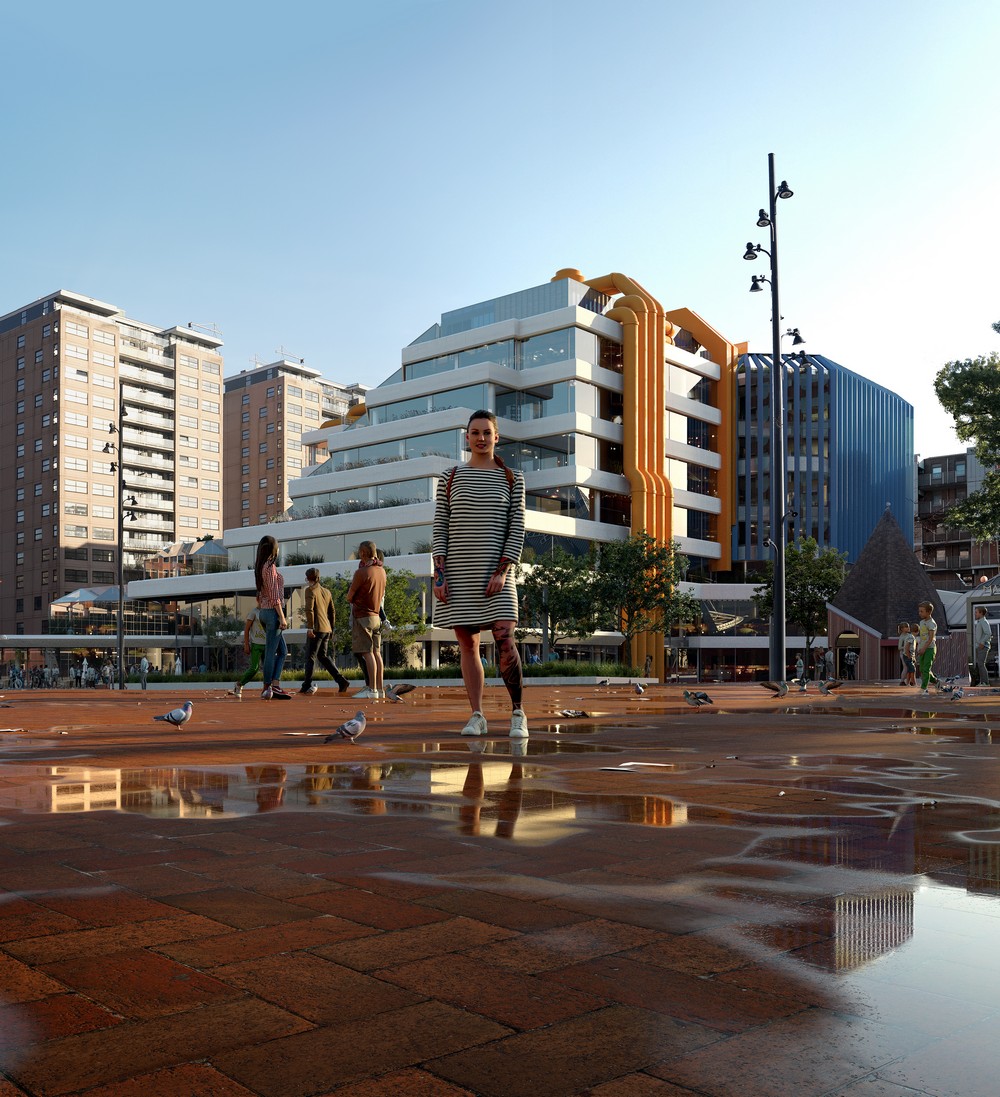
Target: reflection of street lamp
(778,476)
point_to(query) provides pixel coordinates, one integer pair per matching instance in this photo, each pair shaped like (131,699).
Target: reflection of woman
(271,601)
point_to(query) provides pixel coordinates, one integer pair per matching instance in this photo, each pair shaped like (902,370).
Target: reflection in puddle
(520,748)
(487,791)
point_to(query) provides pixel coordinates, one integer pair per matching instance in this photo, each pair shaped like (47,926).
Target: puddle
(524,748)
(489,791)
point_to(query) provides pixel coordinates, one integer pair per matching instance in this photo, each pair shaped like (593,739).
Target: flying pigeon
(350,729)
(178,716)
(801,683)
(395,693)
(829,686)
(697,699)
(639,688)
(779,689)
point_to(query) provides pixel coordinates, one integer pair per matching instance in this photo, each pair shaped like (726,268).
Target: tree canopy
(556,595)
(969,391)
(635,587)
(812,578)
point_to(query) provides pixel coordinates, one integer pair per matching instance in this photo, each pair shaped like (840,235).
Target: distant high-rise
(268,409)
(65,360)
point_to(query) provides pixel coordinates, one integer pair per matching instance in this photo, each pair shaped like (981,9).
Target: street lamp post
(118,465)
(778,477)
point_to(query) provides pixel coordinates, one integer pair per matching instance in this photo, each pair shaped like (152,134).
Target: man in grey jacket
(982,638)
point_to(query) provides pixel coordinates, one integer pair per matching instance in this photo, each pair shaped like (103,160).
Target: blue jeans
(275,650)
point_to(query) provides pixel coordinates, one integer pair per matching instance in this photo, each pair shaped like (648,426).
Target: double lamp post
(768,219)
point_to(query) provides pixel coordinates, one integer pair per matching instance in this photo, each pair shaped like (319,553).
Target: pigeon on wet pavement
(829,686)
(639,688)
(395,693)
(779,689)
(177,716)
(697,698)
(349,729)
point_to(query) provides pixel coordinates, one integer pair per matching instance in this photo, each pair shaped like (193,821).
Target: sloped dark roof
(887,583)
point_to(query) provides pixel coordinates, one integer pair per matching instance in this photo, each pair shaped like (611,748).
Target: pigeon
(395,693)
(604,682)
(178,716)
(779,689)
(697,699)
(639,688)
(350,729)
(801,683)
(829,686)
(957,692)
(573,713)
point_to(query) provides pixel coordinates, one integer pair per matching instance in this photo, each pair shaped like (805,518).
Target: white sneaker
(366,694)
(518,724)
(237,692)
(476,725)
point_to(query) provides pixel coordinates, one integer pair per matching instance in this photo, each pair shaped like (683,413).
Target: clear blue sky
(328,177)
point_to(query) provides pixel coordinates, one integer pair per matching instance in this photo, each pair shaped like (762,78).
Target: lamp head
(752,249)
(757,283)
(763,221)
(107,448)
(112,429)
(797,339)
(784,191)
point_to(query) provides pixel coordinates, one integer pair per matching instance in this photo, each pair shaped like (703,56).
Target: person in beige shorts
(365,596)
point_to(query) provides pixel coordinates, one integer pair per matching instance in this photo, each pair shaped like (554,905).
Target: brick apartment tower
(63,361)
(267,410)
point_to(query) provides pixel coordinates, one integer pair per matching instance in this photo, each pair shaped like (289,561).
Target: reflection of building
(60,788)
(63,359)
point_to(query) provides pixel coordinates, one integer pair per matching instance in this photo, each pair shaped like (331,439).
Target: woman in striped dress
(477,540)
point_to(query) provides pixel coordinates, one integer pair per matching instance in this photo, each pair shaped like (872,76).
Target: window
(76,553)
(188,421)
(245,486)
(102,511)
(20,449)
(76,419)
(211,485)
(20,407)
(270,463)
(210,405)
(211,367)
(270,428)
(246,399)
(39,356)
(245,417)
(210,523)
(38,533)
(270,500)
(188,521)
(101,534)
(245,505)
(77,509)
(77,575)
(188,382)
(245,451)
(20,342)
(78,487)
(209,446)
(209,426)
(262,482)
(20,384)
(189,361)
(38,445)
(189,481)
(103,402)
(189,402)
(75,396)
(103,556)
(38,400)
(209,464)
(104,337)
(210,504)
(38,491)
(262,447)
(210,386)
(187,461)
(73,328)
(103,359)
(245,470)
(262,413)
(20,516)
(106,490)
(245,435)
(80,353)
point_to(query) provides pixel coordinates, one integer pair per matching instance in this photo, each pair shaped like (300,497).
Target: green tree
(970,392)
(812,578)
(636,587)
(222,630)
(556,595)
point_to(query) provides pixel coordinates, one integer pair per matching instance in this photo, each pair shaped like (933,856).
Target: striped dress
(482,522)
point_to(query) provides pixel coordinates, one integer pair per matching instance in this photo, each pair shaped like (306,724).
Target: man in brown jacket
(319,625)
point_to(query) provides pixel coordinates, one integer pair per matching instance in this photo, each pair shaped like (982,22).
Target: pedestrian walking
(926,645)
(907,645)
(254,641)
(478,536)
(365,596)
(320,620)
(982,638)
(271,602)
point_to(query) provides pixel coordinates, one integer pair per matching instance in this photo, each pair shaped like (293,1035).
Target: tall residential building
(65,362)
(268,409)
(951,556)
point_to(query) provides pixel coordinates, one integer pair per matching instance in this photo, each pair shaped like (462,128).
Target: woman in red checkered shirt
(271,600)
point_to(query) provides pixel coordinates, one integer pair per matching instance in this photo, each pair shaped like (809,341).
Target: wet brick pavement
(759,898)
